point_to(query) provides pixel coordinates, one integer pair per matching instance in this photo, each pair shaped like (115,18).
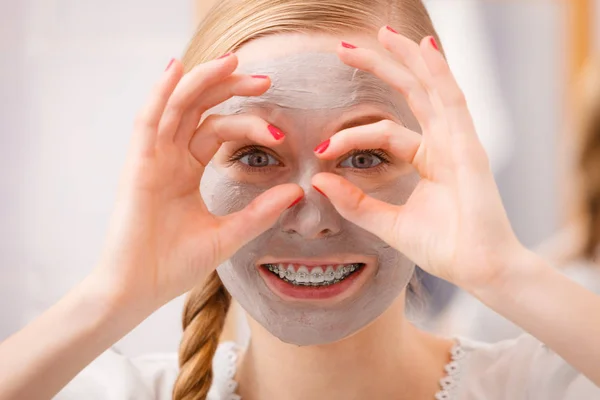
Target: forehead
(307,75)
(314,81)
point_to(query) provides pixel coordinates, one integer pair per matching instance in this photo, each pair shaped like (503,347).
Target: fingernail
(348,45)
(224,55)
(322,147)
(170,63)
(434,43)
(296,202)
(277,134)
(389,28)
(260,76)
(318,190)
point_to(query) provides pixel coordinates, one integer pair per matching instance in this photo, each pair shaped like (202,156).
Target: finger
(190,87)
(217,129)
(353,204)
(457,114)
(387,135)
(241,227)
(443,82)
(407,52)
(396,75)
(148,118)
(235,85)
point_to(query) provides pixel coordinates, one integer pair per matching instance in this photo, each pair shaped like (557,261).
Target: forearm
(559,312)
(36,362)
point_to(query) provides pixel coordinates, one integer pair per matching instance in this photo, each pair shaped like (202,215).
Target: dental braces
(346,271)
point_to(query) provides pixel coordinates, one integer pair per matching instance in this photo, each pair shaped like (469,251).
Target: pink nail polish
(260,76)
(322,147)
(296,202)
(389,28)
(224,55)
(318,190)
(277,134)
(348,45)
(170,63)
(434,43)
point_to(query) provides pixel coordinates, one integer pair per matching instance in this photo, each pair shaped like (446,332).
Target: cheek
(395,191)
(223,194)
(261,178)
(394,185)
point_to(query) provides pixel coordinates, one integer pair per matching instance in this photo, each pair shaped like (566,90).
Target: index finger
(386,135)
(217,129)
(373,215)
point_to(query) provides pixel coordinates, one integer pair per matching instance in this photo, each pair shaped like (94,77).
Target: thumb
(375,216)
(240,227)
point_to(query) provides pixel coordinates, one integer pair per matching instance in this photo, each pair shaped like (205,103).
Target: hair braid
(203,320)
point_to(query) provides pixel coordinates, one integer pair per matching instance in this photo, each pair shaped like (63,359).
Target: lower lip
(287,290)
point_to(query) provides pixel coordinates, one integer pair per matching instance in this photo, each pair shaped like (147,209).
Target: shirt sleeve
(113,376)
(522,369)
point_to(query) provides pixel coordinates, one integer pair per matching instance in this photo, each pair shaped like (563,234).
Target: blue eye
(361,160)
(258,159)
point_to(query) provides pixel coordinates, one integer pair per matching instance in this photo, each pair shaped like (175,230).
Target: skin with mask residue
(313,96)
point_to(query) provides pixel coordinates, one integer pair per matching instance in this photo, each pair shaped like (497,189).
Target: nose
(314,217)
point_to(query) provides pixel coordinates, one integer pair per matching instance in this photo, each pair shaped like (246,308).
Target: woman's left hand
(454,224)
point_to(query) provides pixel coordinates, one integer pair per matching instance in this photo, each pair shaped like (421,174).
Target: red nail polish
(434,43)
(277,134)
(322,147)
(170,63)
(224,55)
(389,28)
(348,45)
(318,190)
(296,202)
(260,76)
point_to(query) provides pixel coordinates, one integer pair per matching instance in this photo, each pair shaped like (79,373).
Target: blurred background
(73,74)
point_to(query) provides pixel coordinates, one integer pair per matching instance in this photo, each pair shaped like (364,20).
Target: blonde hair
(227,26)
(589,158)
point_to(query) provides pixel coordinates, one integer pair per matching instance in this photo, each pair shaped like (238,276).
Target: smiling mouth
(314,276)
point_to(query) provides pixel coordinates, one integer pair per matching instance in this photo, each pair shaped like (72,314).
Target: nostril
(326,232)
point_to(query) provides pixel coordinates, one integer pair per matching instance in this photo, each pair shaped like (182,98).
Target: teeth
(339,272)
(318,276)
(302,275)
(329,274)
(290,273)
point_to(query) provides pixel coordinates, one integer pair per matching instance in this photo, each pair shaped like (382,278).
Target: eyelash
(382,155)
(248,150)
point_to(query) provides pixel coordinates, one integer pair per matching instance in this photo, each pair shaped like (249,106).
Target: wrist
(514,274)
(111,303)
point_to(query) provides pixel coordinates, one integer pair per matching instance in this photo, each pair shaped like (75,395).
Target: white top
(512,370)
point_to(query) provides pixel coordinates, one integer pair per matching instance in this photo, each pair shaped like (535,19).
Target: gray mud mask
(309,91)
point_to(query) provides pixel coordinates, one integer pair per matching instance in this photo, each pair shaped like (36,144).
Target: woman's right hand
(162,239)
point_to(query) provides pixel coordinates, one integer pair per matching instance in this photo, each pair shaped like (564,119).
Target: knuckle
(386,126)
(458,99)
(212,124)
(370,61)
(142,121)
(212,121)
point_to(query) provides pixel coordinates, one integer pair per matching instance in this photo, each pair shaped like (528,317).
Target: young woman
(332,155)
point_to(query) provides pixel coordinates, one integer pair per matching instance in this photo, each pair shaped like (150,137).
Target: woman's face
(313,278)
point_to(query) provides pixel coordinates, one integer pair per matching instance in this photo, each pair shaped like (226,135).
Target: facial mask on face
(309,91)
